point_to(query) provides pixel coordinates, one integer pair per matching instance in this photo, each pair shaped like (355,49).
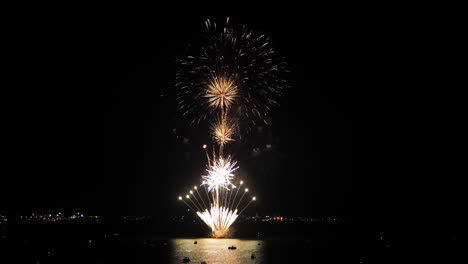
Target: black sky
(95,126)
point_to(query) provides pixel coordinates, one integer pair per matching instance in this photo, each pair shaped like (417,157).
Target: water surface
(215,250)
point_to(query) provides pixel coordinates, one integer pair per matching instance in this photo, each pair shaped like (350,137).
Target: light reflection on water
(215,250)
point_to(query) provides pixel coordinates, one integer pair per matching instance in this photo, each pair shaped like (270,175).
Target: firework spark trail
(246,190)
(188,197)
(234,200)
(206,190)
(230,195)
(207,156)
(225,198)
(253,199)
(204,205)
(196,199)
(181,199)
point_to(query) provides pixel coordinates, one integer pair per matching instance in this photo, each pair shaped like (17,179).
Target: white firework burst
(220,174)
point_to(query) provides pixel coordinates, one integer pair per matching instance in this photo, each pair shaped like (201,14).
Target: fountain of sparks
(220,203)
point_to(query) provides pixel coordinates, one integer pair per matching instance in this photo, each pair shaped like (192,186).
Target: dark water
(173,250)
(283,244)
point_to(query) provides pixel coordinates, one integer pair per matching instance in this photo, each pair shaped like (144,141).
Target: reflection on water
(215,250)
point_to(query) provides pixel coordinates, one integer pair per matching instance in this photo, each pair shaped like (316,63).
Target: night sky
(97,127)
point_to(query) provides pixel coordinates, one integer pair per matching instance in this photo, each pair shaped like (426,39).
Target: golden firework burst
(221,92)
(223,131)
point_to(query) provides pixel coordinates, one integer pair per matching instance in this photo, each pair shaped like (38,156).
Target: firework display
(233,80)
(236,70)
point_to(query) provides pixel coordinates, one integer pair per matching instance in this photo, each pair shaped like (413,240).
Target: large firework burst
(239,64)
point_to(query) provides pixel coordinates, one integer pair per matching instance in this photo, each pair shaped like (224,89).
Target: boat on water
(232,247)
